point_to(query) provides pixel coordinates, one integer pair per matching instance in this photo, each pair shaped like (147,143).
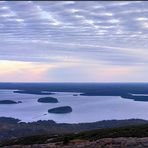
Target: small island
(9,102)
(48,100)
(60,110)
(34,92)
(135,97)
(75,94)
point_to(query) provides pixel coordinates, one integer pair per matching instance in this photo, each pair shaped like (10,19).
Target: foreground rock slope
(121,142)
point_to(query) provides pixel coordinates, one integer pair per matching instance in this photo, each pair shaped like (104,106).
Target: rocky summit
(121,142)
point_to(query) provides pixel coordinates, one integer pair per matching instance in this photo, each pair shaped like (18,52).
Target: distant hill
(107,89)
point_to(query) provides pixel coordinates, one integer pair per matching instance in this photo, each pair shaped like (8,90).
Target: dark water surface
(107,105)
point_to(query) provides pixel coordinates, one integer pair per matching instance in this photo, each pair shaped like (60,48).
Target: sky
(73,41)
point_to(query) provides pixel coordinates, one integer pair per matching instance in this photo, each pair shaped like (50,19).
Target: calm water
(85,108)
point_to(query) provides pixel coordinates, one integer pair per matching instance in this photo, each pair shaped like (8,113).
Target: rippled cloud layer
(83,41)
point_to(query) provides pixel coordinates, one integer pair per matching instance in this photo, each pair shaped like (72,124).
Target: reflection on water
(85,108)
